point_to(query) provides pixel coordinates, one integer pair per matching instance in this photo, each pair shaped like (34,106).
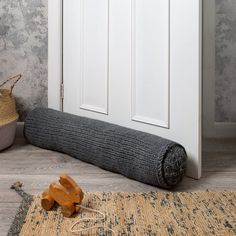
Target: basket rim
(9,120)
(8,111)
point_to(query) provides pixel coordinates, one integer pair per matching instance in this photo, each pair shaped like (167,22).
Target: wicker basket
(8,114)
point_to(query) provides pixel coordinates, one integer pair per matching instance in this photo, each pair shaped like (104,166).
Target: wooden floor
(36,168)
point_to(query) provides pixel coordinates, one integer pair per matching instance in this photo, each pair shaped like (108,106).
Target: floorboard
(37,168)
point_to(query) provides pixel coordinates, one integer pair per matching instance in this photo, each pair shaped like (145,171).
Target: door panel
(94,50)
(150,62)
(143,67)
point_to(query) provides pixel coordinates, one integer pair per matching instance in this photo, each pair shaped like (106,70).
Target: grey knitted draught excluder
(137,155)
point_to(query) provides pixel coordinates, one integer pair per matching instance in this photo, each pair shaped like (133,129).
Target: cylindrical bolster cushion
(137,155)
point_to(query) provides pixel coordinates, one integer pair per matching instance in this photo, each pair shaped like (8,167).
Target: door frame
(55,70)
(55,54)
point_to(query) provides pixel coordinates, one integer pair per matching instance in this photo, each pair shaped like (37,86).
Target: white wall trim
(211,129)
(223,130)
(55,17)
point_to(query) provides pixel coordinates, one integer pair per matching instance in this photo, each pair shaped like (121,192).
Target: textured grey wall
(225,109)
(23,49)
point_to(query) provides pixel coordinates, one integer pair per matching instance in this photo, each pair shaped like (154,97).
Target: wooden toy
(66,193)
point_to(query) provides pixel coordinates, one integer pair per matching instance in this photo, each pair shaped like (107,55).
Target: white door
(136,63)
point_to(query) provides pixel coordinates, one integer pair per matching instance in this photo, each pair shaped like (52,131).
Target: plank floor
(37,168)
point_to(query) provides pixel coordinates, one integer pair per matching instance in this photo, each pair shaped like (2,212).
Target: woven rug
(199,213)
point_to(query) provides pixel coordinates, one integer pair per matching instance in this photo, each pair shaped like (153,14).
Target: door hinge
(62,91)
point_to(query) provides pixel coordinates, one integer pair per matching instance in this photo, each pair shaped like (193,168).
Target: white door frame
(55,69)
(55,51)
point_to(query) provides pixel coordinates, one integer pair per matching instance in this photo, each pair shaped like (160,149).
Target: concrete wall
(225,87)
(23,49)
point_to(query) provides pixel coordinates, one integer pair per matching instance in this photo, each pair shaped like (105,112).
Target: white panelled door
(136,63)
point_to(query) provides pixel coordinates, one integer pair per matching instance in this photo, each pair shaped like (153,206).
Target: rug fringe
(22,211)
(17,186)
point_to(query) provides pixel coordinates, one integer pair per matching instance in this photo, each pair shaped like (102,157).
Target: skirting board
(220,130)
(223,130)
(19,130)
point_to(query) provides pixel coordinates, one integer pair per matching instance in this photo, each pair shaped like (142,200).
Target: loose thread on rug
(92,219)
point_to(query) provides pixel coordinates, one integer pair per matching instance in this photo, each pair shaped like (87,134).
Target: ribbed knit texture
(137,155)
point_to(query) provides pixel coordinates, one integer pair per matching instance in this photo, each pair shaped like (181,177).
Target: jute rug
(153,213)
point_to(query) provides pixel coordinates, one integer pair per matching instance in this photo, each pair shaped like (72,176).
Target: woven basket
(8,114)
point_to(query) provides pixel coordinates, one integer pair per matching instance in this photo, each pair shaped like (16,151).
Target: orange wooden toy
(66,193)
